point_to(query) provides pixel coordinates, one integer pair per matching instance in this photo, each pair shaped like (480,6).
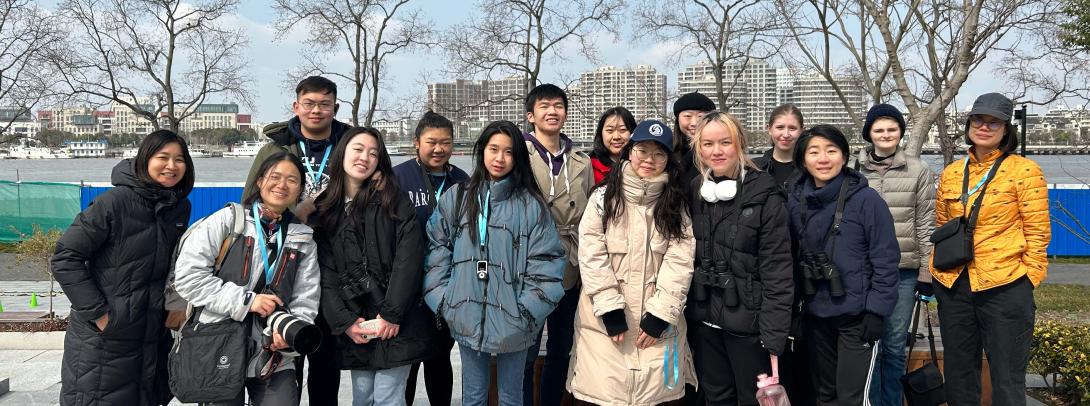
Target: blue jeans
(885,387)
(476,376)
(381,387)
(554,372)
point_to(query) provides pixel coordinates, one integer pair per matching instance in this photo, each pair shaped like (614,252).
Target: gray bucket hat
(993,104)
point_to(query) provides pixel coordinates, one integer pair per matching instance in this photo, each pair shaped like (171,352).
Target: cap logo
(655,130)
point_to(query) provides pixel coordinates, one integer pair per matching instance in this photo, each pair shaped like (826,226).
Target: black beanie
(825,131)
(693,101)
(882,110)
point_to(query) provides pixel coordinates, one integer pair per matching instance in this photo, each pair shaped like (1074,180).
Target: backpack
(174,304)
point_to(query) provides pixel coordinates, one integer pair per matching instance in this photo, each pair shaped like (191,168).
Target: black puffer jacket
(391,251)
(114,260)
(750,239)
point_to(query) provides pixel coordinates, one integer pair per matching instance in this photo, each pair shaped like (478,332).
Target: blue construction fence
(1069,205)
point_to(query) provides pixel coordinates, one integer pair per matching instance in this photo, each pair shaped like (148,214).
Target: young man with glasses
(311,135)
(565,176)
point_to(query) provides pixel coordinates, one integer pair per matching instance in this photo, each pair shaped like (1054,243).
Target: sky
(271,58)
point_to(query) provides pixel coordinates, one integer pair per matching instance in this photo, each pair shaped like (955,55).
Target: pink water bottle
(769,390)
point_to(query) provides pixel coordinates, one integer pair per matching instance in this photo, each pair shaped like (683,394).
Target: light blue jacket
(525,269)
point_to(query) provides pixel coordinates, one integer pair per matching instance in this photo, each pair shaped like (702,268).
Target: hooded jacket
(565,180)
(525,267)
(285,136)
(630,266)
(865,253)
(908,187)
(114,259)
(194,279)
(749,235)
(1013,227)
(390,251)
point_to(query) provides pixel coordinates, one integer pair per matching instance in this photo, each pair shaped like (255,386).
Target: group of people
(667,264)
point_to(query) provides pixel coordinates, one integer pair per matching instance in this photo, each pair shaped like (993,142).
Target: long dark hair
(266,165)
(671,207)
(521,176)
(331,202)
(600,151)
(154,142)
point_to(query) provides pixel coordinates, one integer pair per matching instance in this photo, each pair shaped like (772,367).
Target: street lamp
(1020,115)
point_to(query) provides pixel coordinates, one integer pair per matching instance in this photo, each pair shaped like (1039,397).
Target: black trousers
(729,365)
(840,359)
(795,373)
(438,374)
(998,321)
(324,376)
(692,396)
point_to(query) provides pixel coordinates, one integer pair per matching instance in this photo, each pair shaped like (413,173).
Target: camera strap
(433,192)
(834,228)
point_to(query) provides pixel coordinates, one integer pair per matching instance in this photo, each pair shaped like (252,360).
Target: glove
(615,322)
(873,325)
(925,290)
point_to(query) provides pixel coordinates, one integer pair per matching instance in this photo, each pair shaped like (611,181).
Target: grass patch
(1069,260)
(1063,302)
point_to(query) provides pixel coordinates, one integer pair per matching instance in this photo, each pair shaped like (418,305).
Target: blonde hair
(738,140)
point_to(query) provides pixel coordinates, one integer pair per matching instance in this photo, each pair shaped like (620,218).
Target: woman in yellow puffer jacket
(988,303)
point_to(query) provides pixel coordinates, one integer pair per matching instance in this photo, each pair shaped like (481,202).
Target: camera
(482,270)
(360,283)
(300,335)
(816,266)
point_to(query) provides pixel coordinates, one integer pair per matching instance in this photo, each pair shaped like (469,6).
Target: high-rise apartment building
(820,104)
(750,88)
(641,90)
(471,104)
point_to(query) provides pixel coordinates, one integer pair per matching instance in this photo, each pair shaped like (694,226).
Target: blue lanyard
(482,218)
(315,177)
(965,198)
(269,268)
(666,358)
(439,190)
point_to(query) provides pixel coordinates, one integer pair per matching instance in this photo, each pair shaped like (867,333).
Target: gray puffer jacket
(908,187)
(221,299)
(503,312)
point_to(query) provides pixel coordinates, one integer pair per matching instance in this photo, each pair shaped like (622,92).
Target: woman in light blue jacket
(495,264)
(282,247)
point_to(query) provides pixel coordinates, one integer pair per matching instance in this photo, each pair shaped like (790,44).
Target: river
(1064,169)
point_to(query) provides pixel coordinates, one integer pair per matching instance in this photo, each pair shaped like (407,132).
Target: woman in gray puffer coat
(908,187)
(495,264)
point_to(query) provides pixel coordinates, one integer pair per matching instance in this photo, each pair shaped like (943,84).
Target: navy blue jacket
(866,251)
(410,176)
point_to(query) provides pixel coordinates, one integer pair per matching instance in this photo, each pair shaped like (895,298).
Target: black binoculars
(816,266)
(715,274)
(359,283)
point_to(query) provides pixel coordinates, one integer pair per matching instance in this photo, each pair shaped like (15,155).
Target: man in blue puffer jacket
(849,270)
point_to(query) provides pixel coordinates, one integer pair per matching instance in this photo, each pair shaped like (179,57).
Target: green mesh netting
(24,204)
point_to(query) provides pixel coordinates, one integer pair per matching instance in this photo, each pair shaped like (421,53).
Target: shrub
(1061,354)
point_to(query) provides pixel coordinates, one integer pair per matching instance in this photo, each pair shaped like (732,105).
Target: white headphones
(720,191)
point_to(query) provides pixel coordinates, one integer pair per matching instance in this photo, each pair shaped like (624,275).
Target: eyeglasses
(978,121)
(309,106)
(641,154)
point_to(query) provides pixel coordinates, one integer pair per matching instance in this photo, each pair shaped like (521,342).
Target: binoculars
(816,266)
(715,274)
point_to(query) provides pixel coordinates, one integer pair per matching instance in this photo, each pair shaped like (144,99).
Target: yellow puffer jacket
(1012,228)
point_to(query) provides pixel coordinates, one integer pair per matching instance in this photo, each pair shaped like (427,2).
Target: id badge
(482,270)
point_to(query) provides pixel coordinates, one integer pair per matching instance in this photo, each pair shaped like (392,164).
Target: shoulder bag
(954,240)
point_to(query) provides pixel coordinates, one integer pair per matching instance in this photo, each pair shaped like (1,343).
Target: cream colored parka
(630,265)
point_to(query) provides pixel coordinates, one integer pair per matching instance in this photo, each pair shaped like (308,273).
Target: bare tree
(160,58)
(520,36)
(370,30)
(820,28)
(1048,65)
(727,34)
(26,34)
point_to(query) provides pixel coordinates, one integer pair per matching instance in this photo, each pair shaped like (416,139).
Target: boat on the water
(246,149)
(25,152)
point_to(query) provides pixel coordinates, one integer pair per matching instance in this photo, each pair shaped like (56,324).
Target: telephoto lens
(300,335)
